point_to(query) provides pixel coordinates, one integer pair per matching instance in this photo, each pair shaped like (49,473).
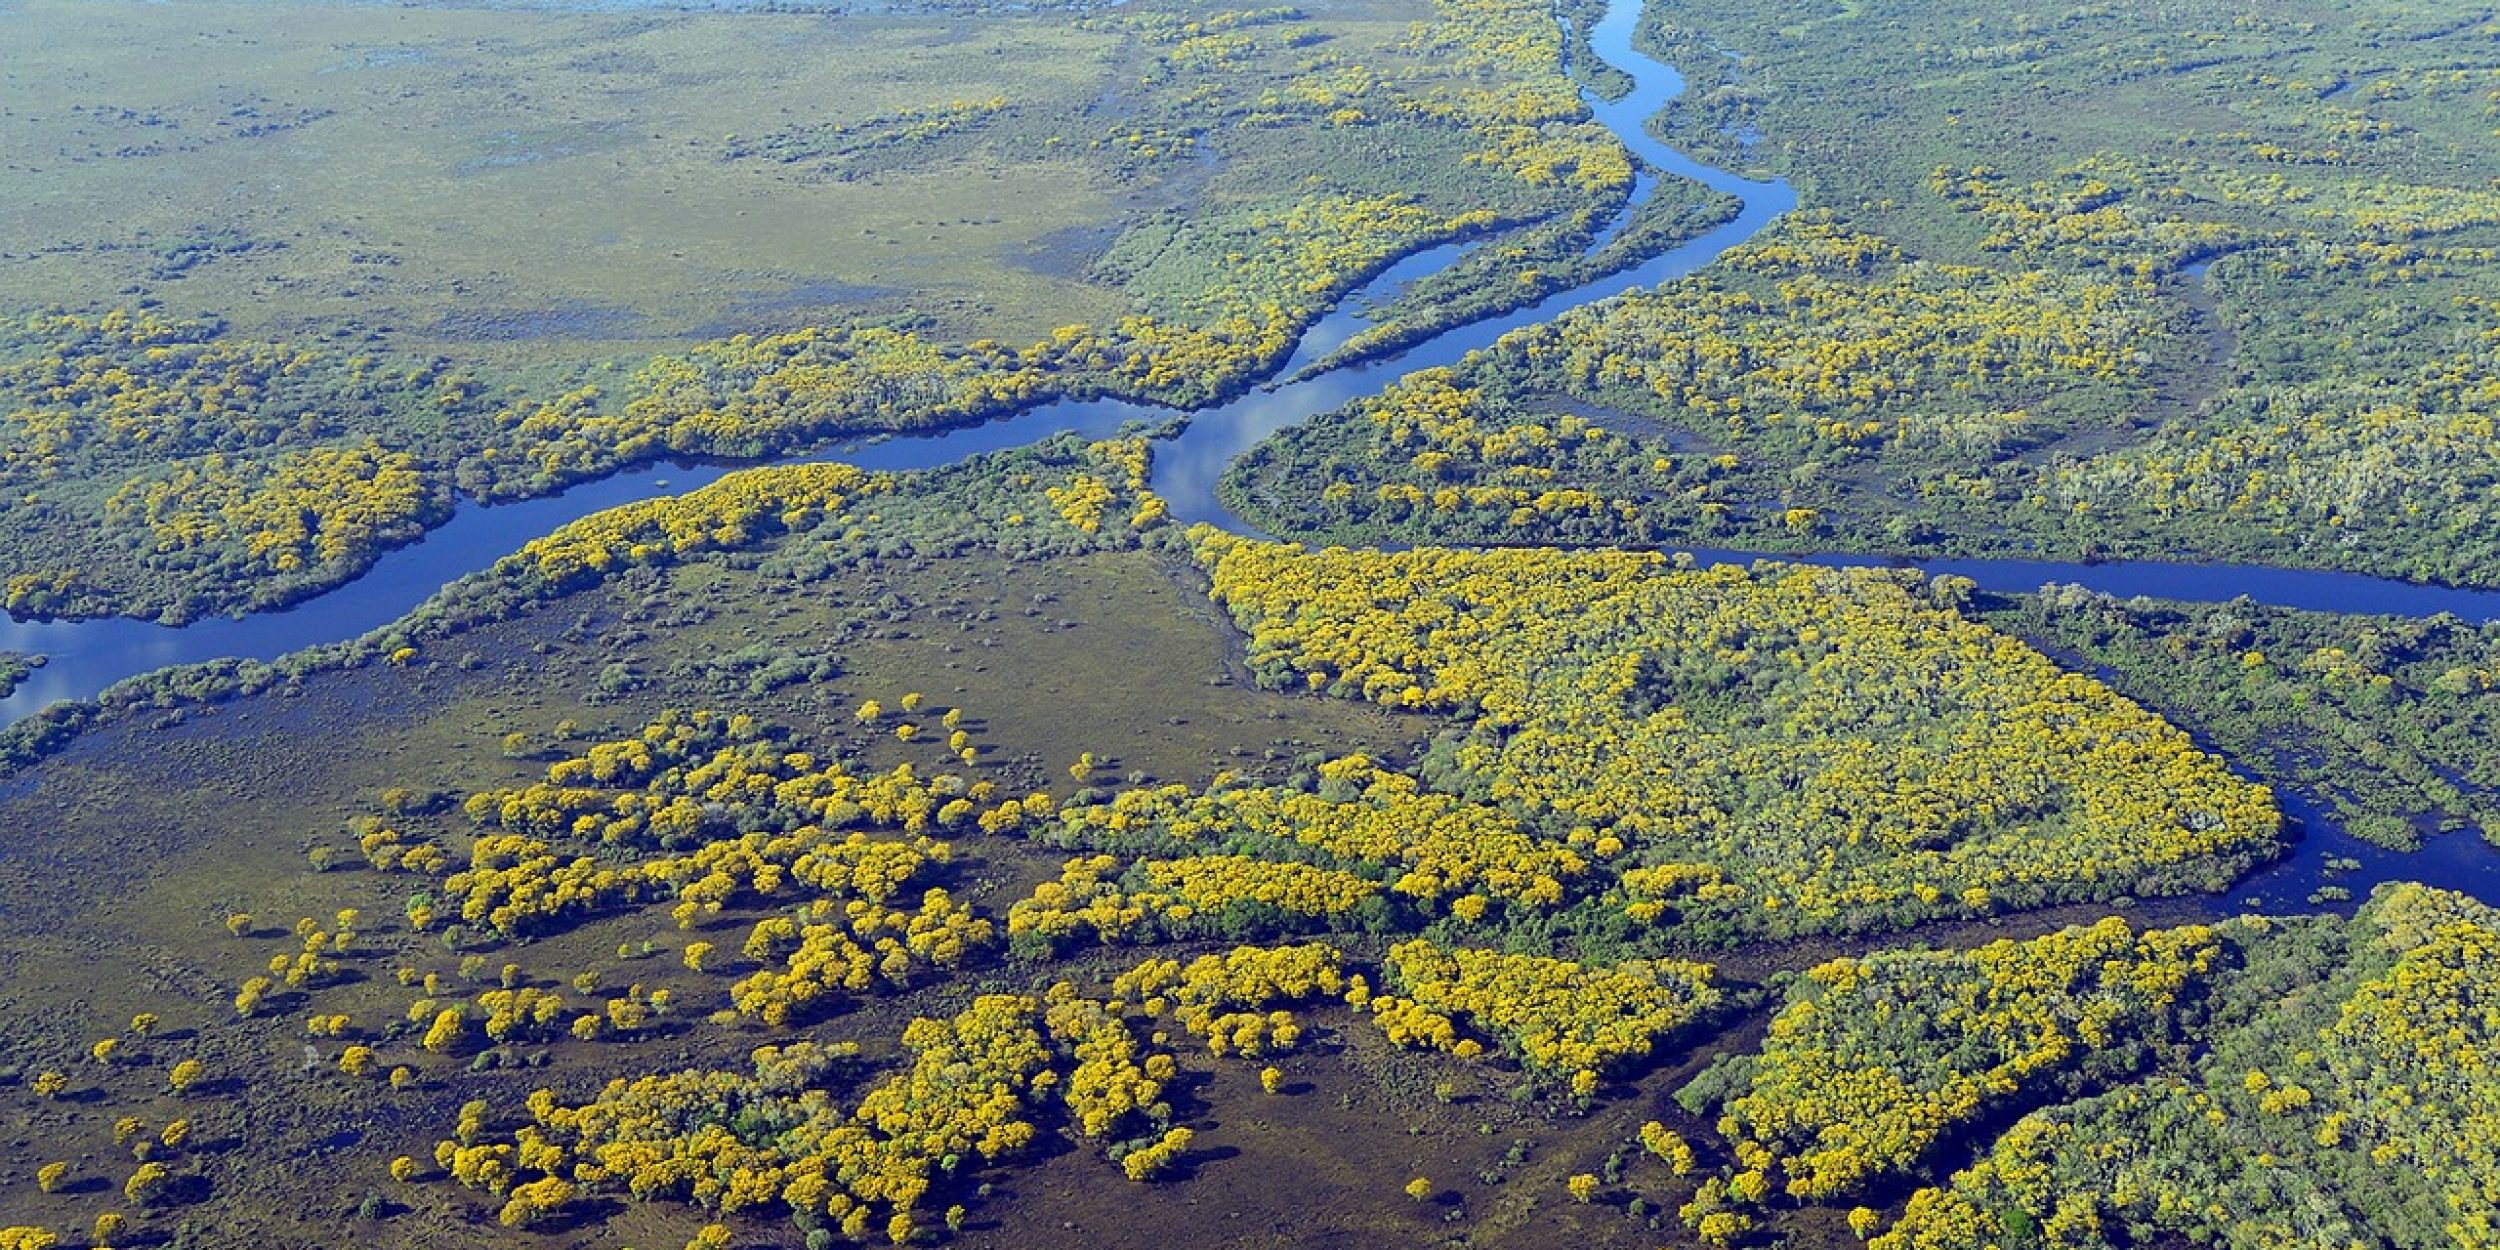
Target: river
(87,656)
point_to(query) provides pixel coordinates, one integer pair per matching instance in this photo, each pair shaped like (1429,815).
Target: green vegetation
(144,453)
(834,857)
(14,668)
(950,512)
(2349,1103)
(2386,722)
(1753,754)
(434,161)
(1534,262)
(1432,848)
(1813,342)
(1202,896)
(2290,1082)
(890,850)
(1255,167)
(572,897)
(1876,1062)
(1990,332)
(853,958)
(1559,1018)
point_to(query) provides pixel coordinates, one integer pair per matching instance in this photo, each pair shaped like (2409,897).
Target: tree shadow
(215,1087)
(1191,1162)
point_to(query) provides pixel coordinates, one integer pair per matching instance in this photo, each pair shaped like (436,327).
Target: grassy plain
(142,832)
(512,185)
(287,277)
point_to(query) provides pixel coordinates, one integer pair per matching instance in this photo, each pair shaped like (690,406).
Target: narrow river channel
(87,656)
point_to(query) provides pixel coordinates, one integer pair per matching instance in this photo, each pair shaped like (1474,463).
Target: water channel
(84,657)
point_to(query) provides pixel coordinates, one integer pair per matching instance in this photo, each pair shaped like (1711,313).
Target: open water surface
(87,656)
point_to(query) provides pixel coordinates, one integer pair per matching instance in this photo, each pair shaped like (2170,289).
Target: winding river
(87,656)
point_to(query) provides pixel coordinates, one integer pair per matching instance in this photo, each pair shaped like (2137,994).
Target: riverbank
(90,657)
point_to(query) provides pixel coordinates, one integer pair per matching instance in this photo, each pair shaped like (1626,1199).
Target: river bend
(87,656)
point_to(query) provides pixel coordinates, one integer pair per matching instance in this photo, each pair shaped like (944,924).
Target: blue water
(87,656)
(2459,861)
(1186,467)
